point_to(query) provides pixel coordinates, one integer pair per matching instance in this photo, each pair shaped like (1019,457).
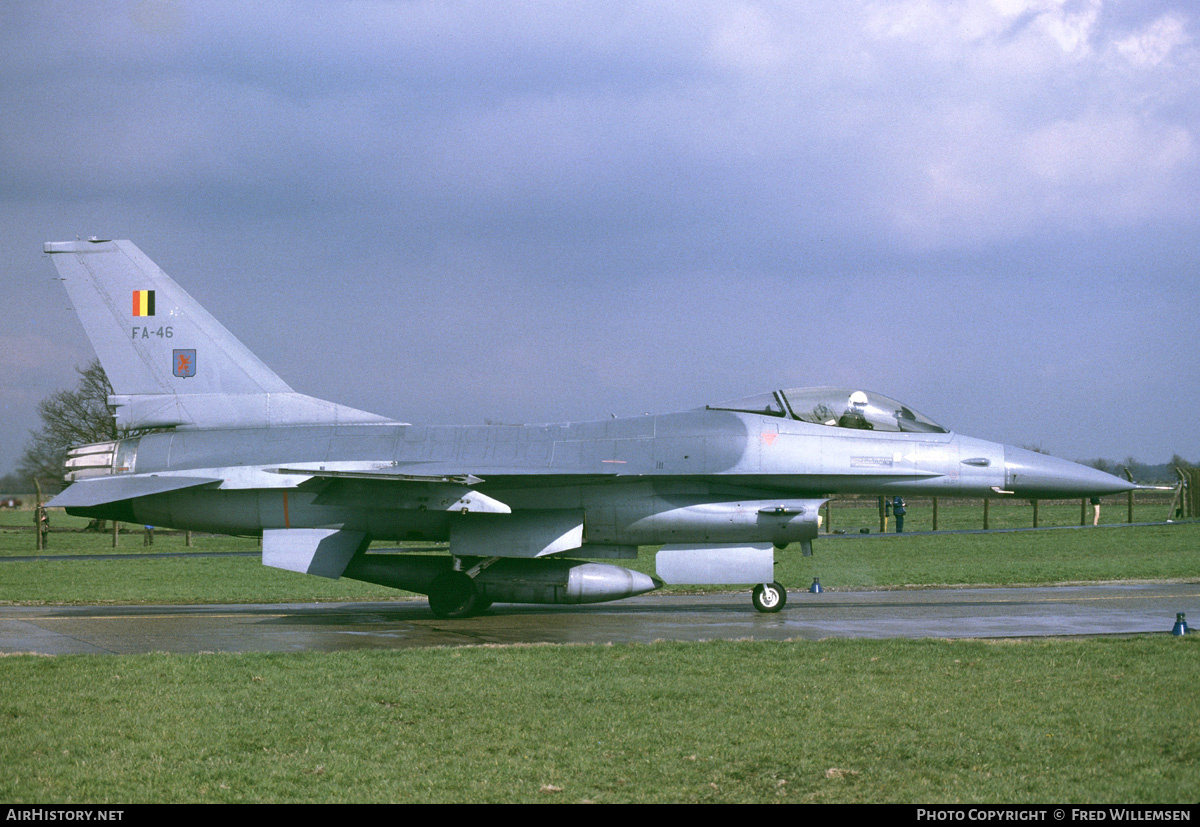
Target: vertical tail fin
(170,362)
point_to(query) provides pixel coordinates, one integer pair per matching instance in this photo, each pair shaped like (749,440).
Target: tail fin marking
(170,362)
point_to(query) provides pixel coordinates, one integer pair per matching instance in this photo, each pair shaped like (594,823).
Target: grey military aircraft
(526,510)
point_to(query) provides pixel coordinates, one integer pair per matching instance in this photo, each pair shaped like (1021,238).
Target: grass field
(1105,553)
(1070,721)
(1083,721)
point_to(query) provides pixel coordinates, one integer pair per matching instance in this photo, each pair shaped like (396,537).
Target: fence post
(1083,511)
(1129,476)
(1177,497)
(116,532)
(985,513)
(935,513)
(1035,513)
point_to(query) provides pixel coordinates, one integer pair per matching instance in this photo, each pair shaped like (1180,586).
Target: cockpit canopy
(836,407)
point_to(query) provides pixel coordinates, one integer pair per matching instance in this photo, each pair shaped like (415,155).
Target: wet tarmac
(1112,609)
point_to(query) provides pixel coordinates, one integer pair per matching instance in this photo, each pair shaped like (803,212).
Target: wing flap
(401,491)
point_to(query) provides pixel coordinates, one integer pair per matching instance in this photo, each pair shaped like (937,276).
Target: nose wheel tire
(453,594)
(768,597)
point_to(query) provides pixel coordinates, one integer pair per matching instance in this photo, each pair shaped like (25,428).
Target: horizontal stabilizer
(104,490)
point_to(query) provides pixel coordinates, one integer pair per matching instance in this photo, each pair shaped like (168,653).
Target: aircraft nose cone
(1030,474)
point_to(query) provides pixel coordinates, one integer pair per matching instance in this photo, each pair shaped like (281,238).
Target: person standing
(41,518)
(898,510)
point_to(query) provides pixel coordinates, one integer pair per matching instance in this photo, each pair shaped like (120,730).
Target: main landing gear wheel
(453,594)
(768,597)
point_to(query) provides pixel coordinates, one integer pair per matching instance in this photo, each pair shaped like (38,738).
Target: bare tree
(69,418)
(1100,464)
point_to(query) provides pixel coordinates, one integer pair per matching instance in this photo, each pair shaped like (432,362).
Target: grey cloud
(537,211)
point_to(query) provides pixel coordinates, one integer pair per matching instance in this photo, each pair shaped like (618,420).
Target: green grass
(1081,721)
(1158,552)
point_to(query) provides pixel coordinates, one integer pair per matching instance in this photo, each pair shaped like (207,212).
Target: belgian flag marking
(143,302)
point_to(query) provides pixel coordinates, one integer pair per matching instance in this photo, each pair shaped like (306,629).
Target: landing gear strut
(768,597)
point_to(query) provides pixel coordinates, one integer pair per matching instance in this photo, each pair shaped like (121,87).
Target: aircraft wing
(393,488)
(528,533)
(403,491)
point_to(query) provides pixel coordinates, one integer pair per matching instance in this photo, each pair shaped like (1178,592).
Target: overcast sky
(458,212)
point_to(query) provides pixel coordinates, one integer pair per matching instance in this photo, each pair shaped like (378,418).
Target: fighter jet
(227,446)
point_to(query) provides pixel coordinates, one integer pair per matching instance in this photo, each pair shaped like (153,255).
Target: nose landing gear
(768,597)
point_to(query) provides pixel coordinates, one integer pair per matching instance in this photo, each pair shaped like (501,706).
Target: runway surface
(327,627)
